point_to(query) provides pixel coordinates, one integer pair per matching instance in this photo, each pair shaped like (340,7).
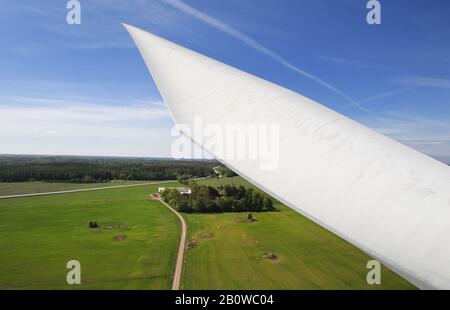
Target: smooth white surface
(387,199)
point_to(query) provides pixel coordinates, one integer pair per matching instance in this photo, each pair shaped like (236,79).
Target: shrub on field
(93,224)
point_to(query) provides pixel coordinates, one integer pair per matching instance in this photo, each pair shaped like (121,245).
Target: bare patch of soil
(206,234)
(111,226)
(119,237)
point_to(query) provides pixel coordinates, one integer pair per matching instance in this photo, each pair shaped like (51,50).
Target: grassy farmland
(40,234)
(18,188)
(227,253)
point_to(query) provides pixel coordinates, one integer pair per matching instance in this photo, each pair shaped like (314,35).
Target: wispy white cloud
(428,135)
(334,60)
(105,16)
(354,61)
(422,81)
(411,82)
(88,113)
(60,102)
(62,126)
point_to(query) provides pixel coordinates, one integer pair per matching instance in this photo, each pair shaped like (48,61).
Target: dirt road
(180,257)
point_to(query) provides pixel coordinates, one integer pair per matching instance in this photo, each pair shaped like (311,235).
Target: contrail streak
(379,96)
(257,46)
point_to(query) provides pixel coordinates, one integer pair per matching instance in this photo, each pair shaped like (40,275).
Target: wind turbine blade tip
(129,27)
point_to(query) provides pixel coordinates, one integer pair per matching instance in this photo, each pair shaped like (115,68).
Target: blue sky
(84,90)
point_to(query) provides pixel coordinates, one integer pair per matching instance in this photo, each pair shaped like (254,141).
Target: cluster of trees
(97,169)
(228,198)
(184,178)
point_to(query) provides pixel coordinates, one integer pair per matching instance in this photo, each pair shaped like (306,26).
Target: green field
(40,234)
(228,253)
(18,188)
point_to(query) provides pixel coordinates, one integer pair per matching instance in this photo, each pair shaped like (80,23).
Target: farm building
(181,190)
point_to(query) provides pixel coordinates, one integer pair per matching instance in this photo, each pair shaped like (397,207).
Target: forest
(75,169)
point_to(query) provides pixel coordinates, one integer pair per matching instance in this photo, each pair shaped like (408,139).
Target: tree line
(98,169)
(227,198)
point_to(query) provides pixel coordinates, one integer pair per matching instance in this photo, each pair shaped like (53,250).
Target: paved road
(180,257)
(84,190)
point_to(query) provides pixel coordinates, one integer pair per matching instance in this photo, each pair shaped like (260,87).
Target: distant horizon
(445,160)
(109,156)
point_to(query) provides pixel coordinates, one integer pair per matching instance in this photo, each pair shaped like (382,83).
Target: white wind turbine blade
(385,198)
